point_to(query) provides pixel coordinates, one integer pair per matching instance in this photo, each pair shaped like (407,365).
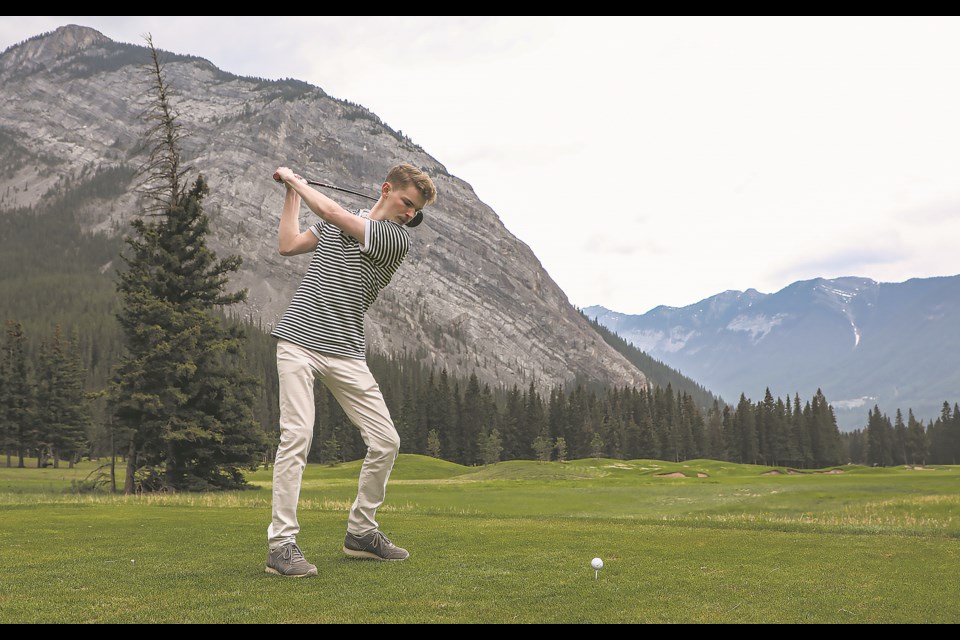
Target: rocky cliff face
(470,296)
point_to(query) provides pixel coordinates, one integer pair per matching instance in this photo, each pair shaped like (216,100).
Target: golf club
(330,186)
(417,218)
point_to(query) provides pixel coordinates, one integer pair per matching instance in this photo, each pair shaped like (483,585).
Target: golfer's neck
(376,212)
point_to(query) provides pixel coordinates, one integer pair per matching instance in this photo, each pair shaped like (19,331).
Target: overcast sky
(647,161)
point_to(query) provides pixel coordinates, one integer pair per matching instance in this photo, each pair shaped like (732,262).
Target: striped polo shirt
(342,281)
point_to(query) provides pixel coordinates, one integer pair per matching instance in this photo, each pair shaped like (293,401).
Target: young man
(321,335)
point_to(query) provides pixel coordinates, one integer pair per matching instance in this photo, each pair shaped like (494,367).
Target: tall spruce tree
(512,424)
(490,446)
(186,405)
(62,404)
(715,443)
(917,440)
(561,448)
(745,428)
(826,435)
(534,422)
(6,424)
(879,438)
(900,439)
(17,407)
(800,430)
(472,418)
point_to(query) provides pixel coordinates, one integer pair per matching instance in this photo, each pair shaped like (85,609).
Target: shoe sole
(273,571)
(367,555)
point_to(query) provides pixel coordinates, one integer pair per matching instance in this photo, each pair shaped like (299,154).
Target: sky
(646,161)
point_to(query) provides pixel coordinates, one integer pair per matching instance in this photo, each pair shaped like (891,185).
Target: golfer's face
(403,204)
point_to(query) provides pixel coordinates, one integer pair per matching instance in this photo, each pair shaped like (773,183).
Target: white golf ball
(596,563)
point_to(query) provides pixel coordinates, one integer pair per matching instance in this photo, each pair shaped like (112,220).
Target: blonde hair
(405,174)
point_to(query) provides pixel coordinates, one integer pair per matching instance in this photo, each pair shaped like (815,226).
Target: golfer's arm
(330,211)
(292,242)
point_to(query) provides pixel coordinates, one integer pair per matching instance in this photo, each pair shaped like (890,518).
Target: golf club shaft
(330,186)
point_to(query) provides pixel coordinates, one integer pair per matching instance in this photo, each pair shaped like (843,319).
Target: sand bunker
(921,468)
(702,475)
(794,472)
(675,474)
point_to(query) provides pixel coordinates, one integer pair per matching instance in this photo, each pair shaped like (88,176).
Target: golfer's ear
(385,189)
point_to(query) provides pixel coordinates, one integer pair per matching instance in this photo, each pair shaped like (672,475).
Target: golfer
(355,254)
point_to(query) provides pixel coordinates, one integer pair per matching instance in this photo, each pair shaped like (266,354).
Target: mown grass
(508,543)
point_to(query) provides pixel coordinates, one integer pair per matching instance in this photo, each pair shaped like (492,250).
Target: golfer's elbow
(291,251)
(287,247)
(302,243)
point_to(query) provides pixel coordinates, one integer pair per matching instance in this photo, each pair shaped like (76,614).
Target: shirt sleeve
(316,228)
(386,242)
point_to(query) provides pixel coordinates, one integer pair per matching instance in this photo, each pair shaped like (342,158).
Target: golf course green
(699,541)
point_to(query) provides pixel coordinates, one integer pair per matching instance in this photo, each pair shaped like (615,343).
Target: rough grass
(511,542)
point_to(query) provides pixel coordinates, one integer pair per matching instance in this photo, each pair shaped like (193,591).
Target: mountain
(863,343)
(470,297)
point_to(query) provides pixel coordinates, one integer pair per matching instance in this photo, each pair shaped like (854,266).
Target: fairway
(511,542)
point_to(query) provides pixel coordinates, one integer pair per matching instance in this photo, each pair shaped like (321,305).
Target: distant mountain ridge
(863,343)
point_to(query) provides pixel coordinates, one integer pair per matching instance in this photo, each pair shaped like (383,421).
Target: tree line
(45,412)
(885,443)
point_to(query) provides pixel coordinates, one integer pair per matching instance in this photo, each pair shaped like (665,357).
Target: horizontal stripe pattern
(342,281)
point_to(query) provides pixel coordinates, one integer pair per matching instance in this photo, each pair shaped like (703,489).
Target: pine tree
(647,443)
(917,441)
(63,407)
(330,451)
(715,442)
(745,427)
(491,446)
(542,447)
(951,433)
(433,444)
(686,415)
(179,392)
(800,434)
(471,417)
(826,439)
(954,437)
(879,439)
(6,424)
(558,413)
(899,439)
(512,424)
(17,395)
(441,416)
(561,448)
(534,422)
(596,446)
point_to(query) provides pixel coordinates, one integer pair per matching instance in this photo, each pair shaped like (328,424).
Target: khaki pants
(352,384)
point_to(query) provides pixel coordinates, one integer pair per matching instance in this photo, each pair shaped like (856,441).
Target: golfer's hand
(286,175)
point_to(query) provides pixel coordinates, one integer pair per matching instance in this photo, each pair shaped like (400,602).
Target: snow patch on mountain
(757,326)
(656,341)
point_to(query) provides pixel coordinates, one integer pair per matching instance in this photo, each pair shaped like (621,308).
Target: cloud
(847,261)
(933,214)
